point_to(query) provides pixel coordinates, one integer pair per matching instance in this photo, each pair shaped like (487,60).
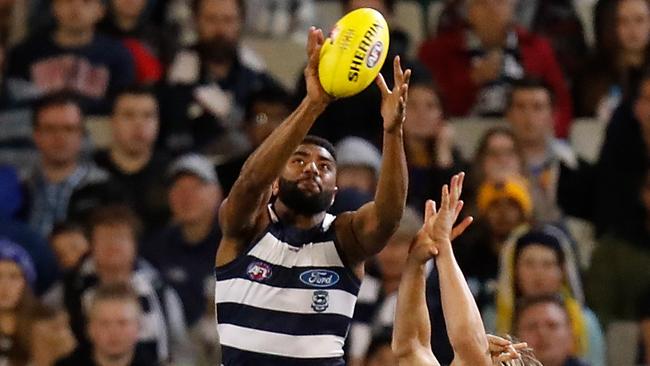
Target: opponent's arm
(374,223)
(250,193)
(412,328)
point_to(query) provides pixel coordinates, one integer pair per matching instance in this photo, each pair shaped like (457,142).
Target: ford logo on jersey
(319,278)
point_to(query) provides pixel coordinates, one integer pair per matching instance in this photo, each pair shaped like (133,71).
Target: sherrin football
(353,53)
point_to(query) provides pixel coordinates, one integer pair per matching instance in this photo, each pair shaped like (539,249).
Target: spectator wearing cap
(503,208)
(358,164)
(541,263)
(428,141)
(184,251)
(132,160)
(17,278)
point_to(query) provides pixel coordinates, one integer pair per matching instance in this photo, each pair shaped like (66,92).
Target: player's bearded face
(302,202)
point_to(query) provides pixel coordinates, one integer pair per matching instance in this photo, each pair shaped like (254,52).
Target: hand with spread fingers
(393,102)
(437,230)
(503,350)
(315,90)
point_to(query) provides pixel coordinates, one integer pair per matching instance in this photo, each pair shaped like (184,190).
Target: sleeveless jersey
(287,300)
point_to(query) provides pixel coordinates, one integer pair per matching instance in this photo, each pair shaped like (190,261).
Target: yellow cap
(512,188)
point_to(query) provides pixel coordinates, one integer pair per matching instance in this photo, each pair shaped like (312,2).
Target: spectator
(127,20)
(529,112)
(612,73)
(52,337)
(11,197)
(475,67)
(556,19)
(266,109)
(70,245)
(375,308)
(113,234)
(17,276)
(132,160)
(63,185)
(618,274)
(72,58)
(609,195)
(541,263)
(431,155)
(184,252)
(544,323)
(498,157)
(211,82)
(115,318)
(357,172)
(504,207)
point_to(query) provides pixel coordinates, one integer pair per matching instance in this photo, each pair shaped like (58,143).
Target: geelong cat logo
(320,301)
(319,278)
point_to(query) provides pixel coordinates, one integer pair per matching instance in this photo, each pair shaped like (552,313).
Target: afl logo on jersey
(319,278)
(320,301)
(259,271)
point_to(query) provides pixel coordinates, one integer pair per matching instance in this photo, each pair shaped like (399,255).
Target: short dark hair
(138,90)
(319,141)
(196,5)
(115,292)
(525,303)
(272,93)
(67,227)
(115,214)
(529,84)
(54,99)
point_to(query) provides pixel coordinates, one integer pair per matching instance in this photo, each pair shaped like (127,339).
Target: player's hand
(503,350)
(315,91)
(393,102)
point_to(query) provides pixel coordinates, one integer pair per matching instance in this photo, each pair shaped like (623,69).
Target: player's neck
(302,222)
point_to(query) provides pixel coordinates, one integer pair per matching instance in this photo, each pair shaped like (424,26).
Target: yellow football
(353,53)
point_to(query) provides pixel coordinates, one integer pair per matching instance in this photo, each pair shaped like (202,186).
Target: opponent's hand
(393,102)
(315,91)
(437,231)
(503,350)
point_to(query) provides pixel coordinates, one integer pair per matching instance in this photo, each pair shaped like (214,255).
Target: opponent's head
(307,184)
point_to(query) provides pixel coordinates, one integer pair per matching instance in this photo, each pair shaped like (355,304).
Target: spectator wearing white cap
(184,250)
(358,167)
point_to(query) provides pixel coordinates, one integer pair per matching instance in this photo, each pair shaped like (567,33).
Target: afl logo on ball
(259,271)
(374,54)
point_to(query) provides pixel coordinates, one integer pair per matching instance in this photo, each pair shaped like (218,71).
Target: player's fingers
(381,83)
(398,74)
(459,229)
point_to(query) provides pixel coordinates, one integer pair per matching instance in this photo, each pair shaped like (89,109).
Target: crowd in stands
(107,251)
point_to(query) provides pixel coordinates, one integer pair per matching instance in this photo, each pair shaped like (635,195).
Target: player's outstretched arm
(251,191)
(375,222)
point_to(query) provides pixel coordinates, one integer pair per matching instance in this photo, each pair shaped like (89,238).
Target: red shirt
(448,59)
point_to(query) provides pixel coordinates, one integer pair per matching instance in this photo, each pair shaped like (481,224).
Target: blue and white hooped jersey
(288,300)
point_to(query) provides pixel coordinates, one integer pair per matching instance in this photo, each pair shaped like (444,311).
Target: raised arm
(250,193)
(411,336)
(374,223)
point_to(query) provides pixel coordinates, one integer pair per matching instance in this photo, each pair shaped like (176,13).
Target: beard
(218,50)
(301,202)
